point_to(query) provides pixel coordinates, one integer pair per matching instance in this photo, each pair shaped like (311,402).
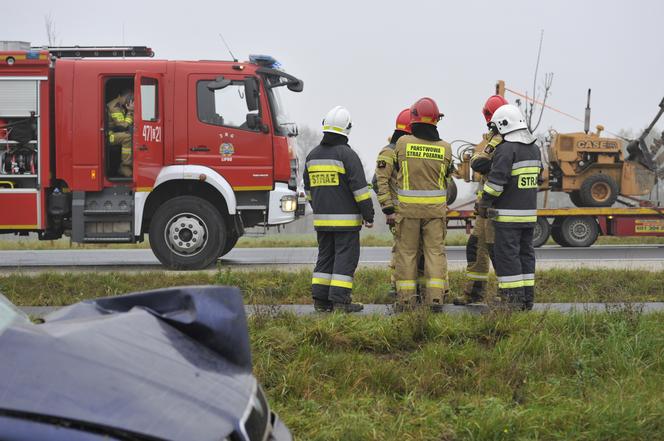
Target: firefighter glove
(482,208)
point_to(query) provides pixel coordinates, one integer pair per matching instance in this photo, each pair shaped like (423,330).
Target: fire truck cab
(211,149)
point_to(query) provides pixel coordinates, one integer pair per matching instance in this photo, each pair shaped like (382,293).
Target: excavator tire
(598,191)
(575,197)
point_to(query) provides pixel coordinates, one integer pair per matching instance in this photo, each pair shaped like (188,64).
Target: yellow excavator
(591,168)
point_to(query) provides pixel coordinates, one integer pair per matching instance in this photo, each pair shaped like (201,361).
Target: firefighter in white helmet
(337,190)
(479,249)
(510,200)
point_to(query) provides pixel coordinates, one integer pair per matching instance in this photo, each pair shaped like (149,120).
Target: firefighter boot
(125,171)
(406,301)
(436,306)
(393,290)
(529,298)
(468,297)
(512,298)
(347,307)
(434,297)
(322,305)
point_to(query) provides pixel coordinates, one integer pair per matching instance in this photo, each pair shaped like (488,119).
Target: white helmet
(508,118)
(511,123)
(338,121)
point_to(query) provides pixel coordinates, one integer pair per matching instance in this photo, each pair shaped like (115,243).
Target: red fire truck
(212,151)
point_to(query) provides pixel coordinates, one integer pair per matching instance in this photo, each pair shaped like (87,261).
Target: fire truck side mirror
(295,86)
(253,121)
(219,84)
(251,93)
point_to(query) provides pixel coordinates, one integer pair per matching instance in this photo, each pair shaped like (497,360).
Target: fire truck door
(223,133)
(148,129)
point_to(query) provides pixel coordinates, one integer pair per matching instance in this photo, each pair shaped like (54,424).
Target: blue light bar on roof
(265,61)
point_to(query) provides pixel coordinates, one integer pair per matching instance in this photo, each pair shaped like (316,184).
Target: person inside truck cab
(120,116)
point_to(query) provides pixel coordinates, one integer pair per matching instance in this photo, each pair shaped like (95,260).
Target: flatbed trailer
(580,227)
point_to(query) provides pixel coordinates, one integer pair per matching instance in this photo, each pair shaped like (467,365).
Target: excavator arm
(638,150)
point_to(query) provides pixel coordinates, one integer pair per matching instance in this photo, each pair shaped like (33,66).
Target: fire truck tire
(542,232)
(231,240)
(598,191)
(451,192)
(578,231)
(575,197)
(187,233)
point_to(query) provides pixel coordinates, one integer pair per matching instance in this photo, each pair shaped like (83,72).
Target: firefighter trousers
(431,234)
(479,255)
(515,264)
(392,265)
(338,256)
(124,140)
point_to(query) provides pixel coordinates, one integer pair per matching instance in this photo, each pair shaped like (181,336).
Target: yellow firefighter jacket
(422,169)
(383,180)
(483,157)
(120,119)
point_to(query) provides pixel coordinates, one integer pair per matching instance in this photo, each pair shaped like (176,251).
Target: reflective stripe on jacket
(481,160)
(385,185)
(422,174)
(337,189)
(119,118)
(513,182)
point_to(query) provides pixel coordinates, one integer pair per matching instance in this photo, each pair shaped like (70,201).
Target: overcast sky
(377,57)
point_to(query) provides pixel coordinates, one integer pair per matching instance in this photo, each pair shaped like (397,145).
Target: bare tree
(534,106)
(51,34)
(306,140)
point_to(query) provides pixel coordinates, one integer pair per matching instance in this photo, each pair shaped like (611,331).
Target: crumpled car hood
(176,367)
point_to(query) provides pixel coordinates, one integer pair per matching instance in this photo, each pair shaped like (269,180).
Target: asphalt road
(624,256)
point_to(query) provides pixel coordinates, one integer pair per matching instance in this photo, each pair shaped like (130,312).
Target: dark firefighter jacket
(512,183)
(481,160)
(336,187)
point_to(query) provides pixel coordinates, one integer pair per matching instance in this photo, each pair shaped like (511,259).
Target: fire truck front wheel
(187,233)
(231,240)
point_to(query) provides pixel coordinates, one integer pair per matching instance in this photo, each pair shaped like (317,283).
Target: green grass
(524,376)
(273,286)
(454,238)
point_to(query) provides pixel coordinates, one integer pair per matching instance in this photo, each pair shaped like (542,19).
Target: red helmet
(491,105)
(425,110)
(403,121)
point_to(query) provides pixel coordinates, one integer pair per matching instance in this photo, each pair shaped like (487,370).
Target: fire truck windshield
(283,124)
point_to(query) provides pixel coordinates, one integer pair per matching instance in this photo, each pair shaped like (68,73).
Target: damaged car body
(170,364)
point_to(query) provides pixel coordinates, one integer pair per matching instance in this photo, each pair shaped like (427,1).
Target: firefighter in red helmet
(389,181)
(422,161)
(479,248)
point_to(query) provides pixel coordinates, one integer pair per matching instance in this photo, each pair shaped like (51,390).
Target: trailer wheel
(187,233)
(452,192)
(575,197)
(542,232)
(578,231)
(598,191)
(556,233)
(231,240)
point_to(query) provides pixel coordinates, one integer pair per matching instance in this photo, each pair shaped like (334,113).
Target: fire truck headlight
(289,203)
